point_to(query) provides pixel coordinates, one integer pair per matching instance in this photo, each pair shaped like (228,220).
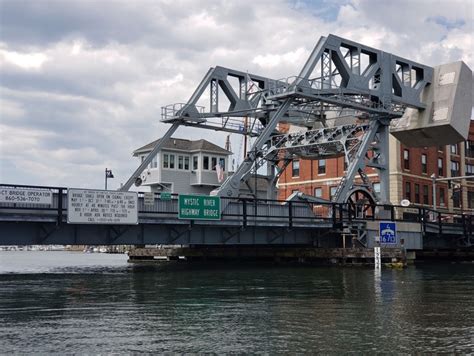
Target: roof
(183,145)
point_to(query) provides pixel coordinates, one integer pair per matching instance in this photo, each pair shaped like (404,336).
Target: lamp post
(433,178)
(108,174)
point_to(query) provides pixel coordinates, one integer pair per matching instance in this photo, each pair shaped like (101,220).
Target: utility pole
(433,178)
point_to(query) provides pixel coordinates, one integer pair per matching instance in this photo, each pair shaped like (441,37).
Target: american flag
(220,172)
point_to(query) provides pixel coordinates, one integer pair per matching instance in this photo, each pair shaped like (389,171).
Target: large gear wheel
(361,204)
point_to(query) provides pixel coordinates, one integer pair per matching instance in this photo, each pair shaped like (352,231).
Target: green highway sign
(199,207)
(165,196)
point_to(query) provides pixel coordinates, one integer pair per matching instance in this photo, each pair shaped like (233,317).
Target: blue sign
(388,233)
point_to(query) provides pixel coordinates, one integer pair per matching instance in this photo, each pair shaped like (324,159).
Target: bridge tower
(345,101)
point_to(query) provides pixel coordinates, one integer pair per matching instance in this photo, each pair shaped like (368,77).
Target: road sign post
(199,207)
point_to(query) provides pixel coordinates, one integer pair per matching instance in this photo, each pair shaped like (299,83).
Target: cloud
(82,83)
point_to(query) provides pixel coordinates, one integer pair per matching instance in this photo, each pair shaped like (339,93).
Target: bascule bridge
(345,102)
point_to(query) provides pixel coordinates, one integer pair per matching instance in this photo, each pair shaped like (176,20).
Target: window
(456,197)
(424,168)
(442,200)
(180,162)
(441,148)
(470,169)
(426,195)
(440,167)
(222,163)
(406,159)
(295,168)
(171,161)
(454,149)
(376,187)
(417,193)
(469,149)
(322,166)
(332,192)
(213,163)
(205,162)
(408,191)
(154,162)
(454,169)
(318,192)
(470,198)
(166,161)
(186,163)
(195,163)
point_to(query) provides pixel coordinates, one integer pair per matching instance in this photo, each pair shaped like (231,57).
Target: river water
(64,302)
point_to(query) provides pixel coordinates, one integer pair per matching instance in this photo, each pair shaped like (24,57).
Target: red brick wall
(304,182)
(308,173)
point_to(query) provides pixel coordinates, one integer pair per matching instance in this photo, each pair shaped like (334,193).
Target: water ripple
(80,304)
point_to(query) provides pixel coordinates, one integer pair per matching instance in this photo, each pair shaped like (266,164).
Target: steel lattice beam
(340,76)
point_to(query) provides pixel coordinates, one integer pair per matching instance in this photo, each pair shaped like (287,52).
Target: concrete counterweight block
(447,115)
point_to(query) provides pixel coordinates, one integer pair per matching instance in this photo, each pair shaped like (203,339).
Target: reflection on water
(100,304)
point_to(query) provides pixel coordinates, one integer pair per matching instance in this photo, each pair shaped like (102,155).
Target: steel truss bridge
(343,101)
(244,222)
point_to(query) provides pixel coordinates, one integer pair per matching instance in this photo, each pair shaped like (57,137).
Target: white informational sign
(149,199)
(27,196)
(86,206)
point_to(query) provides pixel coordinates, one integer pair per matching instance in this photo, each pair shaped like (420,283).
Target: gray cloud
(82,82)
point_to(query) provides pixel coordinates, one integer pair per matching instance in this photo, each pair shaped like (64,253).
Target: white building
(185,166)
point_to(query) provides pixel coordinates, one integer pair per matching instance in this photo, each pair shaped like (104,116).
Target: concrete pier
(283,254)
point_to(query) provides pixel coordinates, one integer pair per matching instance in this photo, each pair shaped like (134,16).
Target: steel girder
(339,76)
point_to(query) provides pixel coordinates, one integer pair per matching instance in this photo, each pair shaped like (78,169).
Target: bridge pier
(274,254)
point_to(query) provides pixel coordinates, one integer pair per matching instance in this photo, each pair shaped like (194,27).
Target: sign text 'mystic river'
(199,207)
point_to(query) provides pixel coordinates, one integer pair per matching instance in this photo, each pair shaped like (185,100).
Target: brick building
(410,175)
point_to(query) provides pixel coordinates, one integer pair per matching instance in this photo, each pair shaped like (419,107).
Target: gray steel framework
(340,78)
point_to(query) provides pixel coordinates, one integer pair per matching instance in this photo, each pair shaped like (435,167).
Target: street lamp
(108,174)
(433,178)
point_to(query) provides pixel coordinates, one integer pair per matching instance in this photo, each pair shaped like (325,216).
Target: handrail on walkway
(247,209)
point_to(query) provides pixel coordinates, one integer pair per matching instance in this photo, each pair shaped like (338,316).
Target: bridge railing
(438,221)
(55,210)
(248,211)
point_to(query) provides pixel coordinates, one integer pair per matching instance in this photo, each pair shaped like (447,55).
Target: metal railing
(172,111)
(248,211)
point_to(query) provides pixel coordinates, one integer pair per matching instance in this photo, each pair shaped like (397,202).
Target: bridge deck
(243,221)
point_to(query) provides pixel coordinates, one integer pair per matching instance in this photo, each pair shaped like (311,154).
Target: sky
(82,82)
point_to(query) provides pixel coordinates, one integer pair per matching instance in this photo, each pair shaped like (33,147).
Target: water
(61,302)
